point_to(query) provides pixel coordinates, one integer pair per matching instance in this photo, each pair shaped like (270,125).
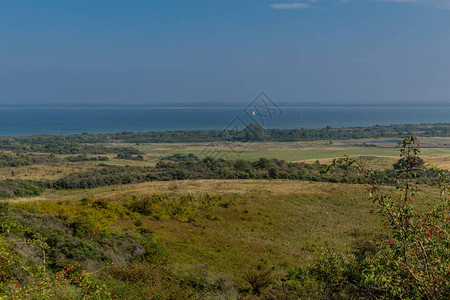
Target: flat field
(382,152)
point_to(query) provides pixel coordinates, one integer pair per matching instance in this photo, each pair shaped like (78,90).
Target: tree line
(61,146)
(83,143)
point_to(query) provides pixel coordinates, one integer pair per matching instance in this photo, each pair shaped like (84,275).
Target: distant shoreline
(25,121)
(211,131)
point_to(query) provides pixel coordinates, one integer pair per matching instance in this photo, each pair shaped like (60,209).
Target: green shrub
(412,262)
(10,188)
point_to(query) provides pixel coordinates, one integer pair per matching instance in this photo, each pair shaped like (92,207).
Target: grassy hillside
(195,239)
(231,228)
(277,221)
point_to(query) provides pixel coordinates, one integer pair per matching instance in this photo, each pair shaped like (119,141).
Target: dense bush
(59,146)
(10,188)
(107,175)
(129,156)
(26,272)
(210,168)
(181,157)
(84,157)
(19,160)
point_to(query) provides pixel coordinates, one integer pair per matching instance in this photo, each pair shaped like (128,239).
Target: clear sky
(146,51)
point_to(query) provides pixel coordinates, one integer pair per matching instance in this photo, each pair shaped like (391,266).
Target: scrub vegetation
(187,226)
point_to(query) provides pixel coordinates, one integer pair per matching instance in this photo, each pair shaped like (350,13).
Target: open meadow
(383,152)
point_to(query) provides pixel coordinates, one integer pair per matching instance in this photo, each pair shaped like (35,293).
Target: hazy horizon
(212,104)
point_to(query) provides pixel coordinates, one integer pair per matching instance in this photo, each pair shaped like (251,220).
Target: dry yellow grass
(280,187)
(439,161)
(43,172)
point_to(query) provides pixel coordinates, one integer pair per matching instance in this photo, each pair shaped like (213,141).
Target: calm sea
(14,122)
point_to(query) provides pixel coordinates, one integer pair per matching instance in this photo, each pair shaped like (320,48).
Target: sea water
(31,121)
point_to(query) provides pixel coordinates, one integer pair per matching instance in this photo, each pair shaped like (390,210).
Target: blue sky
(145,51)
